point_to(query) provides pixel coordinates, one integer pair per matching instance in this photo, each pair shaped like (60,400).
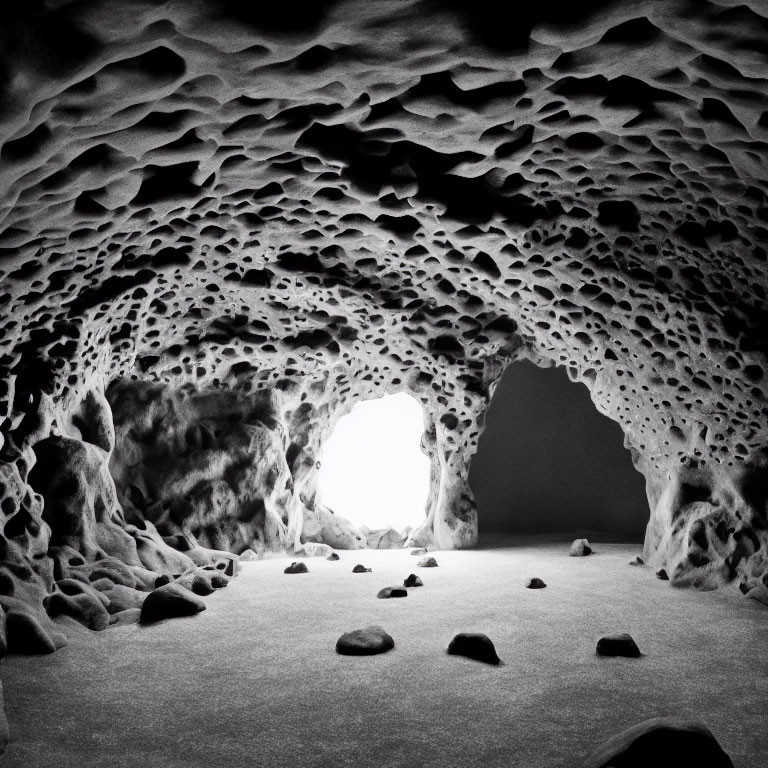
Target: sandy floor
(255,681)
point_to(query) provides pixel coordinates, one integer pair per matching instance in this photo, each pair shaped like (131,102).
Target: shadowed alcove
(547,461)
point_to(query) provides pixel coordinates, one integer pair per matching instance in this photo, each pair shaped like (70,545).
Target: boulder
(427,562)
(169,602)
(618,645)
(26,635)
(312,549)
(361,569)
(297,567)
(535,583)
(388,592)
(364,642)
(662,574)
(637,561)
(474,645)
(661,742)
(580,548)
(413,581)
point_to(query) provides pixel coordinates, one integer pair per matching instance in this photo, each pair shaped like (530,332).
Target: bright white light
(372,470)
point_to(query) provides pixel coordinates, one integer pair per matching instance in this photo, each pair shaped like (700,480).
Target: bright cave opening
(549,462)
(372,468)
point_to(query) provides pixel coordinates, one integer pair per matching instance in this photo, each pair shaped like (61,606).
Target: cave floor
(254,680)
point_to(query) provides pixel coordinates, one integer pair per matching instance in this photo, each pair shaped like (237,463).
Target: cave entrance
(372,469)
(549,462)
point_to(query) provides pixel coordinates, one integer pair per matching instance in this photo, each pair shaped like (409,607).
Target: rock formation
(223,223)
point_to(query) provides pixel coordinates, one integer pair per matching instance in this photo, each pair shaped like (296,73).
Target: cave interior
(224,224)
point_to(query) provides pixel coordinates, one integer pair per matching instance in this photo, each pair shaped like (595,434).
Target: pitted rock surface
(221,224)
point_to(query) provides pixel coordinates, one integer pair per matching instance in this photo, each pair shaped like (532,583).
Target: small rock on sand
(474,645)
(580,548)
(388,592)
(618,645)
(364,642)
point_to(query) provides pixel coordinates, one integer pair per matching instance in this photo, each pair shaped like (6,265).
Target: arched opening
(549,462)
(372,469)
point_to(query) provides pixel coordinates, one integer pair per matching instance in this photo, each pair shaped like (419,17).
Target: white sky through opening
(372,470)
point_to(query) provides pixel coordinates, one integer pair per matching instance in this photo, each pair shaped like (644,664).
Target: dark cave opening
(549,462)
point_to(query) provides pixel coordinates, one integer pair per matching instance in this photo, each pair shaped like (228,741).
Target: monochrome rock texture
(621,644)
(224,223)
(365,642)
(661,741)
(474,645)
(580,548)
(389,592)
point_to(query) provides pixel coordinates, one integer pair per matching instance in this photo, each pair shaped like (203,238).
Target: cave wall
(297,208)
(548,461)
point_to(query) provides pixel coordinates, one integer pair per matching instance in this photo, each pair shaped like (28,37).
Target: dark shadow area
(548,461)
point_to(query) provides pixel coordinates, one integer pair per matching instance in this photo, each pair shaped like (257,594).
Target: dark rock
(392,592)
(361,569)
(618,645)
(474,645)
(332,557)
(427,562)
(660,742)
(364,642)
(413,581)
(200,582)
(662,574)
(419,551)
(169,602)
(26,635)
(297,567)
(637,561)
(82,608)
(580,548)
(219,581)
(535,583)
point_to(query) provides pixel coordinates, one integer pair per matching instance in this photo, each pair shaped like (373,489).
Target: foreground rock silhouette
(661,742)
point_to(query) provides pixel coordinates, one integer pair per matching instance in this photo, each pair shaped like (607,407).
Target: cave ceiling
(237,195)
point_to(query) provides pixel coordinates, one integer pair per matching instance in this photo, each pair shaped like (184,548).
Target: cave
(226,226)
(547,462)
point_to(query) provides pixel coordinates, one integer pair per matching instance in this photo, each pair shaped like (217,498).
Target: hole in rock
(549,462)
(372,469)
